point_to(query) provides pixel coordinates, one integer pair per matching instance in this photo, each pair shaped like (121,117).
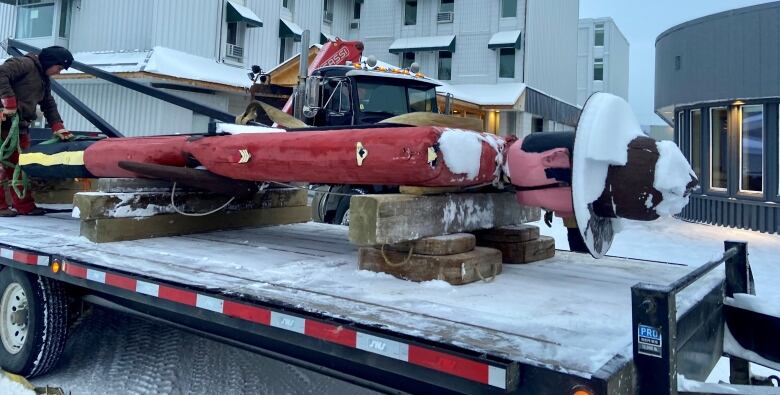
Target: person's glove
(61,133)
(9,108)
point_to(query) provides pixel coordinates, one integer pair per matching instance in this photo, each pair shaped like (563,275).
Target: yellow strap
(69,158)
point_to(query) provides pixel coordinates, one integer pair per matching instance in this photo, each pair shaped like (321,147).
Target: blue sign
(649,341)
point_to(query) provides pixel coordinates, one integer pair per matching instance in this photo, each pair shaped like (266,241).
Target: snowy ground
(112,353)
(673,240)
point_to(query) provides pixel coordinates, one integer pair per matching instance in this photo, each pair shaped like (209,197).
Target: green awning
(507,39)
(288,29)
(423,44)
(325,37)
(239,13)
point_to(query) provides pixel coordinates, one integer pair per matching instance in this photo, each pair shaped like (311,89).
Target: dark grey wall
(730,55)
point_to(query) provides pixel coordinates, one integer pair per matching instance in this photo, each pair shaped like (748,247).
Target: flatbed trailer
(293,292)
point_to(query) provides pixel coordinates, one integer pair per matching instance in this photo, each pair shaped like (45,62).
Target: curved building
(717,82)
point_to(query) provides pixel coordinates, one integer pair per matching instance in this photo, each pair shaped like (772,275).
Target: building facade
(479,45)
(602,59)
(490,52)
(718,85)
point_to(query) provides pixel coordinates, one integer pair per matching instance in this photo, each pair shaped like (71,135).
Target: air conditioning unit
(234,51)
(327,17)
(354,25)
(445,17)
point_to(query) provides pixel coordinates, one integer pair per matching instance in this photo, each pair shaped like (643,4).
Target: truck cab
(362,95)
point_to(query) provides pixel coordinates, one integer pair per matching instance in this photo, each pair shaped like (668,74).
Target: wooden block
(511,233)
(59,191)
(456,269)
(395,218)
(118,229)
(525,252)
(131,185)
(99,205)
(427,190)
(438,245)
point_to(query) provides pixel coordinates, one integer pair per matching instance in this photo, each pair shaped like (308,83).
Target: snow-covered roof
(505,39)
(504,94)
(420,44)
(240,13)
(167,62)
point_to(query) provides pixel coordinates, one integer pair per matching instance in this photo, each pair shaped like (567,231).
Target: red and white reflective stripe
(26,258)
(420,356)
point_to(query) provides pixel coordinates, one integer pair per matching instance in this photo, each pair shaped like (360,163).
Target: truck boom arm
(333,53)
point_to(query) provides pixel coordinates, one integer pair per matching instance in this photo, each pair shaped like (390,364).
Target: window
(35,18)
(506,63)
(422,100)
(410,12)
(695,142)
(327,11)
(598,69)
(446,5)
(538,125)
(679,133)
(719,135)
(677,62)
(508,8)
(599,35)
(445,65)
(65,7)
(751,149)
(407,58)
(288,4)
(382,98)
(285,49)
(356,8)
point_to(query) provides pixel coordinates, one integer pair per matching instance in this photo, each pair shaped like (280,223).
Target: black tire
(342,209)
(47,323)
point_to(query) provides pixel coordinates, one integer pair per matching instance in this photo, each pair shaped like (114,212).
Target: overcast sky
(641,22)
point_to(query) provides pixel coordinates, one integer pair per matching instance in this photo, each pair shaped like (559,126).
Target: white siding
(615,53)
(551,52)
(132,113)
(475,21)
(7,23)
(110,25)
(191,26)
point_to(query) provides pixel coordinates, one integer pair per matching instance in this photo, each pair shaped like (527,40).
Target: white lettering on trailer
(6,253)
(145,288)
(97,276)
(43,260)
(378,345)
(209,303)
(288,322)
(497,377)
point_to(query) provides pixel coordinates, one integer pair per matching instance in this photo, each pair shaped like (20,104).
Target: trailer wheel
(33,322)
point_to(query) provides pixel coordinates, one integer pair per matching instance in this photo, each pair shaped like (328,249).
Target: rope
(400,264)
(11,144)
(493,277)
(173,204)
(307,189)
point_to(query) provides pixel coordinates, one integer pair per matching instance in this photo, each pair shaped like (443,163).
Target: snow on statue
(605,171)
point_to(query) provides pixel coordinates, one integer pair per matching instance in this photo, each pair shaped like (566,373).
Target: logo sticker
(649,341)
(245,156)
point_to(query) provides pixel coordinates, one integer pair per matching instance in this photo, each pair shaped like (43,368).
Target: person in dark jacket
(24,85)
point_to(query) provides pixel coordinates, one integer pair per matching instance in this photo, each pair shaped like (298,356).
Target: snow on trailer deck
(570,313)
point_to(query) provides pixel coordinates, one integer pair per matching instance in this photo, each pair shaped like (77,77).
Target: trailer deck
(570,314)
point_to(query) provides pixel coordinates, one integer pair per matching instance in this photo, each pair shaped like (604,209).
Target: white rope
(173,204)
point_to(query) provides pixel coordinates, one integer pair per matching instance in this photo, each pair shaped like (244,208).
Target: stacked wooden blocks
(402,234)
(453,258)
(518,244)
(138,209)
